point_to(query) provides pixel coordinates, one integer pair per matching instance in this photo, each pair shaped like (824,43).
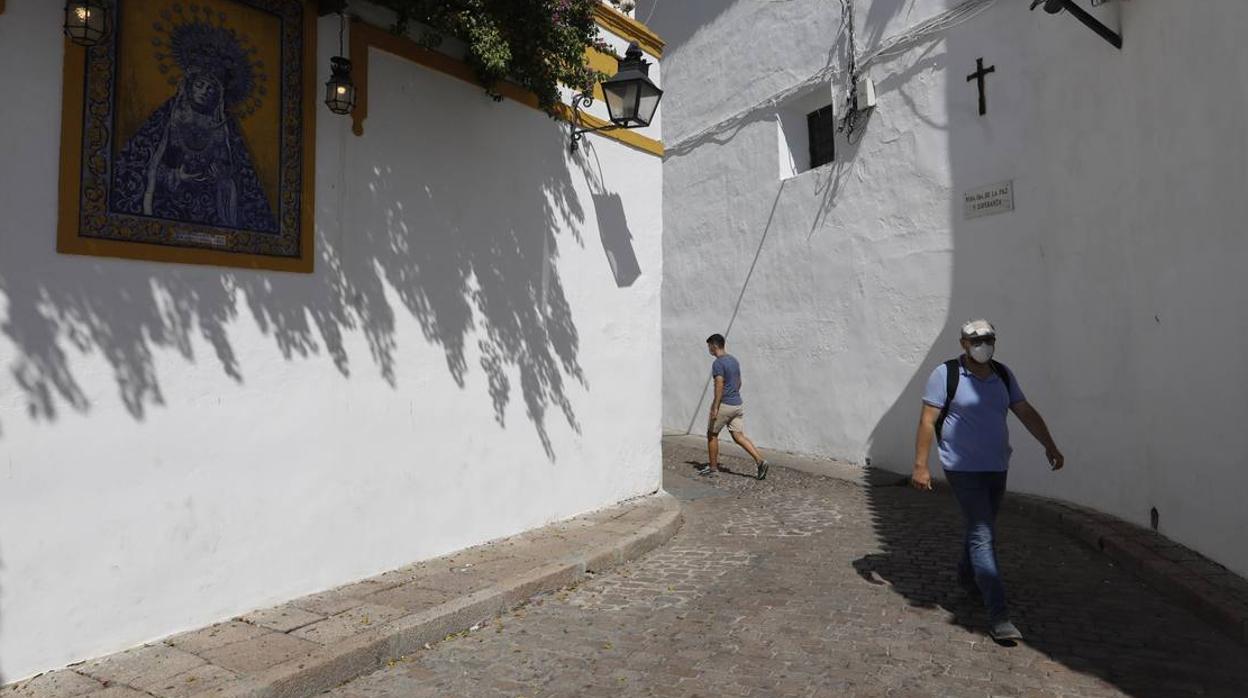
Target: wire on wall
(892,47)
(654,6)
(820,77)
(849,123)
(925,31)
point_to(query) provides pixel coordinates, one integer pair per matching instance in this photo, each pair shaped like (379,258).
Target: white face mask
(982,353)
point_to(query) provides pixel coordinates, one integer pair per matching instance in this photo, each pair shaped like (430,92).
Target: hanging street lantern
(87,22)
(632,98)
(339,89)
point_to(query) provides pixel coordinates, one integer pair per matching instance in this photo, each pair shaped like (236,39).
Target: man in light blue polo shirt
(965,407)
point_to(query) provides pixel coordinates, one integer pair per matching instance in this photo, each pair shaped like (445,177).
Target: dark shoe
(1004,631)
(706,470)
(762,471)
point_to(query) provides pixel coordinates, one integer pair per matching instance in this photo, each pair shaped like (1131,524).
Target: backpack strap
(1004,374)
(953,373)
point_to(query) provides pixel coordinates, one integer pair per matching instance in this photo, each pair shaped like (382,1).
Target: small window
(821,127)
(806,131)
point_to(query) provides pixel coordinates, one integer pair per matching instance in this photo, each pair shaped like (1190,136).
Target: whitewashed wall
(1117,284)
(180,444)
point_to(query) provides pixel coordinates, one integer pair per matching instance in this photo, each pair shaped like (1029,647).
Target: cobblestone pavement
(808,586)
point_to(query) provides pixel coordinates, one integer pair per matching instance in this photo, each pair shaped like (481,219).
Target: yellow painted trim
(623,135)
(602,62)
(365,36)
(628,29)
(69,242)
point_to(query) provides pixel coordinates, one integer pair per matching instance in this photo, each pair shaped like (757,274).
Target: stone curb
(599,541)
(1208,589)
(335,664)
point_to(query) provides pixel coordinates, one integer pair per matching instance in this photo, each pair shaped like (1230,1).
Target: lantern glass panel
(339,89)
(621,101)
(86,22)
(648,104)
(339,96)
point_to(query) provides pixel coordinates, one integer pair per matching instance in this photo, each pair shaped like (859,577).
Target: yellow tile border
(365,36)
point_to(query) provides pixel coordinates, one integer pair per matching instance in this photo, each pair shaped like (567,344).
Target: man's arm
(719,395)
(921,479)
(1035,424)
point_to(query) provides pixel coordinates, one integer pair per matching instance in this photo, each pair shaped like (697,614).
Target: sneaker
(1004,631)
(762,470)
(706,470)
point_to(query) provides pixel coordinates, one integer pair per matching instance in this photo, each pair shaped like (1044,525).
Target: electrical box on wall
(866,94)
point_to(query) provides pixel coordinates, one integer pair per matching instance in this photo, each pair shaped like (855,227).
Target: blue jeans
(979,495)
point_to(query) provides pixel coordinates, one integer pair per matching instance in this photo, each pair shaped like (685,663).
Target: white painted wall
(1117,284)
(180,444)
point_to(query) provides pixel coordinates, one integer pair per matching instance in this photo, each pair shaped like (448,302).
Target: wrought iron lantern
(87,22)
(632,98)
(340,89)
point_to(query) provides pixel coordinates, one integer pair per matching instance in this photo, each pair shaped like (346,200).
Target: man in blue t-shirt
(975,452)
(727,409)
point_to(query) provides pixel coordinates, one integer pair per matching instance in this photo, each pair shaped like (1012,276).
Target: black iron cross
(980,73)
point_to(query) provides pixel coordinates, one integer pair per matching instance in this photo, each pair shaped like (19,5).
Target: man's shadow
(1071,603)
(723,468)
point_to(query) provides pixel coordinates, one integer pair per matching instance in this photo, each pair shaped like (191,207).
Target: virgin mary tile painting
(194,121)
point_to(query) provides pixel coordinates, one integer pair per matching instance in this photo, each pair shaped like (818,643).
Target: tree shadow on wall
(481,268)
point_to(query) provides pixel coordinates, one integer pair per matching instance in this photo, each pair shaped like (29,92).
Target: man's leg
(744,442)
(714,425)
(966,573)
(996,492)
(736,429)
(712,450)
(979,494)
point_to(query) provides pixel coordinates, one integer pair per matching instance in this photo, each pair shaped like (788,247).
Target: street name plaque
(989,200)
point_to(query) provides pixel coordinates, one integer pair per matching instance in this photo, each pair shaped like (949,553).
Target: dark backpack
(953,374)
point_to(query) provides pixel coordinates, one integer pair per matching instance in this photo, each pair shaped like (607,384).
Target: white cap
(978,328)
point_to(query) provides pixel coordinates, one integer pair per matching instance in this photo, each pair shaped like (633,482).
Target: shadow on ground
(1107,624)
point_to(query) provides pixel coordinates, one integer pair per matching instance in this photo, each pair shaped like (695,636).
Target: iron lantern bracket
(1056,6)
(581,101)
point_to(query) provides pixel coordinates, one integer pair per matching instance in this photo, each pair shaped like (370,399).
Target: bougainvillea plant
(536,44)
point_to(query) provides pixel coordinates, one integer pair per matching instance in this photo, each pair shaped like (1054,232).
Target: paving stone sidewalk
(1197,583)
(805,585)
(320,641)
